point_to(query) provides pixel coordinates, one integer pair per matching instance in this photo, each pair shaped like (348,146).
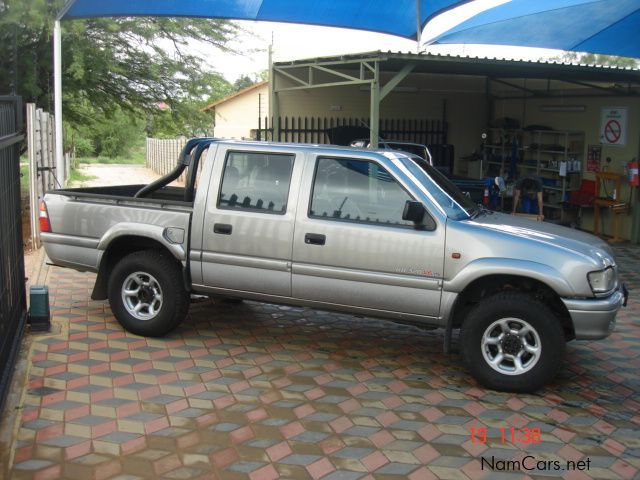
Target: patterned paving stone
(257,391)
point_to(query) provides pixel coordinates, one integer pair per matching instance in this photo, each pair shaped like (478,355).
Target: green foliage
(245,81)
(84,146)
(136,156)
(185,118)
(110,134)
(596,59)
(114,68)
(116,135)
(24,179)
(242,82)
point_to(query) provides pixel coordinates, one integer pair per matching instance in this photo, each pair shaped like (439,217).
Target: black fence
(13,305)
(314,129)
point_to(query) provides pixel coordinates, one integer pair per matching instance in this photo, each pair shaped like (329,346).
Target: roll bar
(185,159)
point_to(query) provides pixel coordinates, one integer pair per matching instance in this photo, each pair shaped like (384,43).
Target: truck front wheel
(146,293)
(512,342)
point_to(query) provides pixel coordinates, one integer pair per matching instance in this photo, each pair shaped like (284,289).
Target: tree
(110,66)
(242,82)
(597,59)
(245,81)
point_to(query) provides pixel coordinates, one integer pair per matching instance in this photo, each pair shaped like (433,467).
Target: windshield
(456,204)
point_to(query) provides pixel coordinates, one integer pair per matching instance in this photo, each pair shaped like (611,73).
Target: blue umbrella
(609,27)
(404,18)
(397,17)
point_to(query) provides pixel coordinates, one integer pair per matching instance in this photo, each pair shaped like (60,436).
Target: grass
(136,157)
(24,179)
(77,177)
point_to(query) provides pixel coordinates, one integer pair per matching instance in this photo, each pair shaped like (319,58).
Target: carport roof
(477,66)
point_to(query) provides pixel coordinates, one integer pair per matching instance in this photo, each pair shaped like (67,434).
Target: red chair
(582,198)
(585,196)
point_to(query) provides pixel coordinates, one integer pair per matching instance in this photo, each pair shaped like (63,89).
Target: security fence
(13,306)
(162,155)
(314,129)
(43,175)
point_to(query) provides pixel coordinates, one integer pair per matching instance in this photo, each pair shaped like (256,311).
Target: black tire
(232,300)
(521,307)
(164,277)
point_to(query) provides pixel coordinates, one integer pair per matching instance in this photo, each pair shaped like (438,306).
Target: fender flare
(152,232)
(485,267)
(125,229)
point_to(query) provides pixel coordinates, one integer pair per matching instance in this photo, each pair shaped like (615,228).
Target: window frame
(249,209)
(351,220)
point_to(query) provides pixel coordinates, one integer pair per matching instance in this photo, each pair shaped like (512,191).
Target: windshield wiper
(480,210)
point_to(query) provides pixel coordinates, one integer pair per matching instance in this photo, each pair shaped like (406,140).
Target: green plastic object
(39,312)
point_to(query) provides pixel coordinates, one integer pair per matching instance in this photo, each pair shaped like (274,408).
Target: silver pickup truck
(369,232)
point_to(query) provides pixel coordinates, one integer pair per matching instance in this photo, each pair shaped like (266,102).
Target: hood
(548,233)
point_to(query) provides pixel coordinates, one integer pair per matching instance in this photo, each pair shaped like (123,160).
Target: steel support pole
(57,93)
(418,26)
(274,101)
(375,107)
(34,201)
(275,115)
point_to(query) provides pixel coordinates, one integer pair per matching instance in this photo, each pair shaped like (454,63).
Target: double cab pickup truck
(377,233)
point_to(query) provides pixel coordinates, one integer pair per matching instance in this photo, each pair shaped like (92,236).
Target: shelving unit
(540,153)
(499,148)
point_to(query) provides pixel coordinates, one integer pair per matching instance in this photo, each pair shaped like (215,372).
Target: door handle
(314,239)
(222,228)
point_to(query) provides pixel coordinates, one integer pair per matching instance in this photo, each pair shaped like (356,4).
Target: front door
(351,246)
(248,224)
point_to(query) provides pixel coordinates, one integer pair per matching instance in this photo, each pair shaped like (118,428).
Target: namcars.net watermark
(529,463)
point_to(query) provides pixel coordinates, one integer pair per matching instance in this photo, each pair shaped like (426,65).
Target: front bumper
(594,319)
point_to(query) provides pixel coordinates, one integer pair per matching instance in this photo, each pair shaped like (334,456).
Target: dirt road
(114,174)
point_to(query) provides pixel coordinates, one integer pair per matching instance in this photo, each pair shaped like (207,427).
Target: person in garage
(529,190)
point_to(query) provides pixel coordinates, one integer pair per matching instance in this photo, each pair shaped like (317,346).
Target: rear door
(351,246)
(249,221)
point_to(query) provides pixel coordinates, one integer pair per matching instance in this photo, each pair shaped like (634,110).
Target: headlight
(602,281)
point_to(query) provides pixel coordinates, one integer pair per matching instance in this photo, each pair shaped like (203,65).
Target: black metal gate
(314,129)
(13,304)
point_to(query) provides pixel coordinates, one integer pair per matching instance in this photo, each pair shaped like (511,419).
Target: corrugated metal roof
(482,66)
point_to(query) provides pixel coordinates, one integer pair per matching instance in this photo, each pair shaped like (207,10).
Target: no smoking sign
(612,131)
(613,126)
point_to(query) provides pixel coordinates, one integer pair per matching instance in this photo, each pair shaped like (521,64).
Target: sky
(292,42)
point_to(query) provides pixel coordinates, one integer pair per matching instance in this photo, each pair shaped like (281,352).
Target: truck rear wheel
(146,293)
(512,342)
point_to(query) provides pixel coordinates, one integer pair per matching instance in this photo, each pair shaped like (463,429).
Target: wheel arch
(120,247)
(489,285)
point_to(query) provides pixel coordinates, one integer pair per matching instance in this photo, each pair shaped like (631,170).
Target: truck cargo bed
(122,192)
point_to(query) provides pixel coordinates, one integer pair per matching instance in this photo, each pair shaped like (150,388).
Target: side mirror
(413,211)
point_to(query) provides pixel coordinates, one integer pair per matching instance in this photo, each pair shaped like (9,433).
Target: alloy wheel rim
(511,346)
(142,295)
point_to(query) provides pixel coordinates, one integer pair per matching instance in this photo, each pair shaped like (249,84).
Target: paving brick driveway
(262,392)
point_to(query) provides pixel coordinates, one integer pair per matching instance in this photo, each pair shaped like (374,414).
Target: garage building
(561,122)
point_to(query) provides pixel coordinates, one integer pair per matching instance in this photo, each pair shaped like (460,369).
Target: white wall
(236,117)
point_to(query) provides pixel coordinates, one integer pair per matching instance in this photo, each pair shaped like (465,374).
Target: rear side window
(256,182)
(357,191)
